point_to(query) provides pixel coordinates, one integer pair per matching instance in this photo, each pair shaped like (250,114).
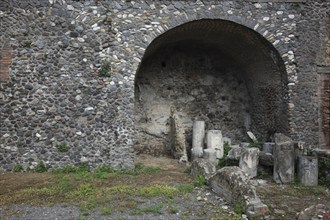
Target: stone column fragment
(283,155)
(249,161)
(214,141)
(198,139)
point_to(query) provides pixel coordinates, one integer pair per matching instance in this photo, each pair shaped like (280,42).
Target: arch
(244,86)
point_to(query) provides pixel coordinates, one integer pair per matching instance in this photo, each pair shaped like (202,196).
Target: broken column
(214,141)
(232,184)
(308,170)
(249,161)
(177,138)
(283,155)
(198,139)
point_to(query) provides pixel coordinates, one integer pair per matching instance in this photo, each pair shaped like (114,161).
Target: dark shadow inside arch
(213,70)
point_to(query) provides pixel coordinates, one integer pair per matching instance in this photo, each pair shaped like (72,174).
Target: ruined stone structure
(101,77)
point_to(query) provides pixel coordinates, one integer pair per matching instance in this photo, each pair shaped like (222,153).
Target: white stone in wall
(70,7)
(257,5)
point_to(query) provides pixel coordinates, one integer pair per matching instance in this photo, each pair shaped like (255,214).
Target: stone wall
(72,73)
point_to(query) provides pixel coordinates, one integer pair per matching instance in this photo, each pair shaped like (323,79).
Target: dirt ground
(21,197)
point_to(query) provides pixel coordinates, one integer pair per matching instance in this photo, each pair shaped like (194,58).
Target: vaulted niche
(212,70)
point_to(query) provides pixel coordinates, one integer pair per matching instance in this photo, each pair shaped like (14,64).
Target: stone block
(202,167)
(234,185)
(211,156)
(249,161)
(308,170)
(214,141)
(235,152)
(284,159)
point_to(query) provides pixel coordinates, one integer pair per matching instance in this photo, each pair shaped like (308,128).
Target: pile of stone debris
(234,182)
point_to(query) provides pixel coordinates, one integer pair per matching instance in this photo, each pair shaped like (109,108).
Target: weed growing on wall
(62,148)
(105,69)
(41,168)
(18,168)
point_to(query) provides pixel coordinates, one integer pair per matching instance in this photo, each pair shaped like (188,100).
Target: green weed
(199,181)
(155,209)
(187,169)
(62,148)
(185,188)
(238,207)
(83,175)
(226,149)
(106,211)
(64,184)
(84,190)
(66,169)
(105,69)
(41,168)
(173,210)
(102,171)
(18,168)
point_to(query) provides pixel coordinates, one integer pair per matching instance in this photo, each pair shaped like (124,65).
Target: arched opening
(213,70)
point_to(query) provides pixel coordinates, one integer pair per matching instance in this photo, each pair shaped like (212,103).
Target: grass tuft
(18,168)
(41,168)
(155,209)
(62,148)
(199,181)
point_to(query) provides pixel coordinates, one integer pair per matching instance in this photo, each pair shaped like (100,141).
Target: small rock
(261,182)
(29,86)
(79,29)
(279,212)
(70,7)
(74,34)
(244,217)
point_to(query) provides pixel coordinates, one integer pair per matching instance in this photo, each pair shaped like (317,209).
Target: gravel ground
(199,204)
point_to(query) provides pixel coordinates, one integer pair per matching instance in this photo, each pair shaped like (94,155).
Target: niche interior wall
(213,70)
